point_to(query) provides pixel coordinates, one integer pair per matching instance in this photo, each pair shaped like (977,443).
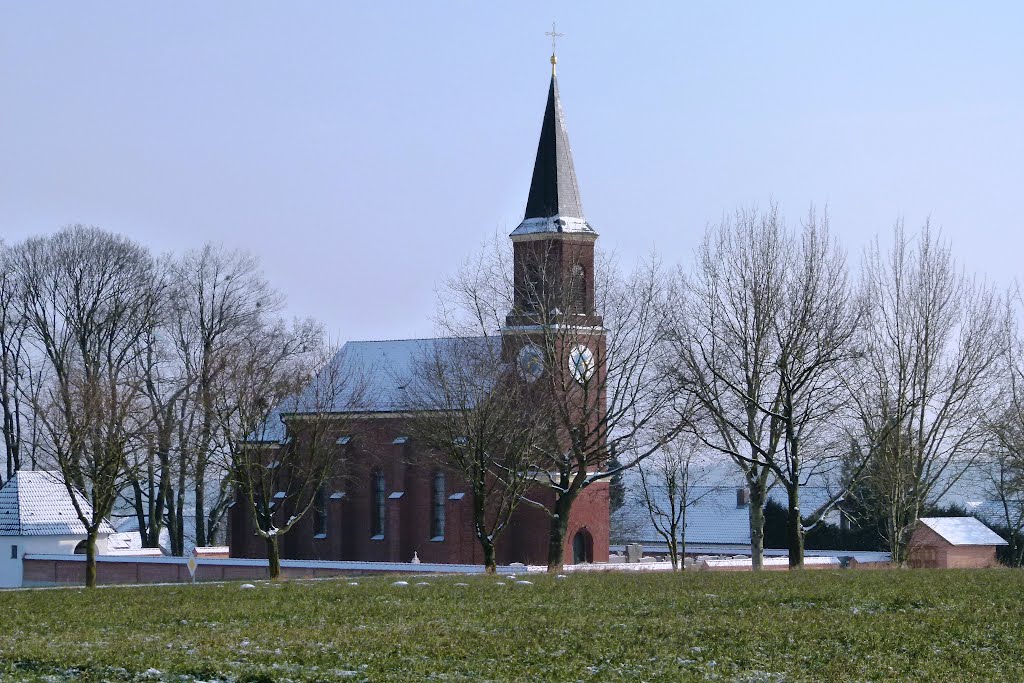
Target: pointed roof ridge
(554,190)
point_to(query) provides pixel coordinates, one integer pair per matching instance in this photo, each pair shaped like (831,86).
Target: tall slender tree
(932,347)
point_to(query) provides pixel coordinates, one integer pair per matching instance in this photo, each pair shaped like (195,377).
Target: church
(395,501)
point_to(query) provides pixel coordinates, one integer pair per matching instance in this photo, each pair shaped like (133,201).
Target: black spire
(554,191)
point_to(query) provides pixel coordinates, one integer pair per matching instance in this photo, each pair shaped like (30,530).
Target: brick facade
(928,550)
(553,262)
(409,477)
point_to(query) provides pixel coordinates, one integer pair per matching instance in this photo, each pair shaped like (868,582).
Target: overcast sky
(362,150)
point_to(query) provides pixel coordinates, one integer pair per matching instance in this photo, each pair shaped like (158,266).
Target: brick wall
(410,473)
(928,550)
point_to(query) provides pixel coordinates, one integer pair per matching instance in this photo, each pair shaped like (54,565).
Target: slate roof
(713,517)
(963,530)
(376,375)
(37,504)
(992,511)
(553,204)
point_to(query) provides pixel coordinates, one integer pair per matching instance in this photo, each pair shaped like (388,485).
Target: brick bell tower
(553,259)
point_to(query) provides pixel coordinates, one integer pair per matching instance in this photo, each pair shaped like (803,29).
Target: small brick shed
(953,543)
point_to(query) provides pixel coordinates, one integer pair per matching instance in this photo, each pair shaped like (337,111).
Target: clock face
(581,363)
(531,362)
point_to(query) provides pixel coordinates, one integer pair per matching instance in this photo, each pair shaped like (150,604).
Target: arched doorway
(582,547)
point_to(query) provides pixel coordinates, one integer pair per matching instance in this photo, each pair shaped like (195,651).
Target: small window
(379,504)
(532,287)
(14,552)
(577,288)
(437,518)
(320,513)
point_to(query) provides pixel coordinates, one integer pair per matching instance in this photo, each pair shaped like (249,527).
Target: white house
(38,516)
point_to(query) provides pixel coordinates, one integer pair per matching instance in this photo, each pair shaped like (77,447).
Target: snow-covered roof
(548,224)
(373,378)
(963,530)
(37,504)
(713,517)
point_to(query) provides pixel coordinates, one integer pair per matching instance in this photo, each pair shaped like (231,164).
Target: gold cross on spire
(555,35)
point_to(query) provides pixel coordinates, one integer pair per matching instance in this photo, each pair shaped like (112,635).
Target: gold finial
(555,35)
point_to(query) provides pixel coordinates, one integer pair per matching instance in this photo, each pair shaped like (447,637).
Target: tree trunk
(273,557)
(556,538)
(179,518)
(795,529)
(200,502)
(673,553)
(90,558)
(682,544)
(490,564)
(757,499)
(140,514)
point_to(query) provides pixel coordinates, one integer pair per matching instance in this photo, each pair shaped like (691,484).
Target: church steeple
(553,248)
(553,204)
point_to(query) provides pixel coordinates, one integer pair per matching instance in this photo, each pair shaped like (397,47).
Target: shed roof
(963,531)
(34,503)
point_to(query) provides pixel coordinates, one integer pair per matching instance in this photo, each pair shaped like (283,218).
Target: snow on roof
(533,226)
(713,517)
(37,504)
(963,530)
(745,562)
(375,377)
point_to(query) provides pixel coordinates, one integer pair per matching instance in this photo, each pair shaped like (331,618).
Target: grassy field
(814,626)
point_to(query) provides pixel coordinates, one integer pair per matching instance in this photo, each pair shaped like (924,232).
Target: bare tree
(278,414)
(1003,466)
(815,333)
(221,296)
(1004,486)
(167,388)
(15,371)
(473,412)
(766,339)
(591,353)
(603,389)
(932,345)
(87,297)
(723,329)
(669,482)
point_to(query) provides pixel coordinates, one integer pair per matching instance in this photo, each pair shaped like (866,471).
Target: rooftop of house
(963,531)
(34,503)
(714,515)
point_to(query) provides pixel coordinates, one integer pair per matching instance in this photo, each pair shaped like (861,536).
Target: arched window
(532,287)
(437,516)
(82,547)
(379,504)
(577,288)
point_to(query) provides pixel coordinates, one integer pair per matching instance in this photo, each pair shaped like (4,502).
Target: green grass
(812,626)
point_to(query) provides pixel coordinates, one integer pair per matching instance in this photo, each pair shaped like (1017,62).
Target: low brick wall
(56,570)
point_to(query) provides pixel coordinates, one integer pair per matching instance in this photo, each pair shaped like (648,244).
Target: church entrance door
(582,547)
